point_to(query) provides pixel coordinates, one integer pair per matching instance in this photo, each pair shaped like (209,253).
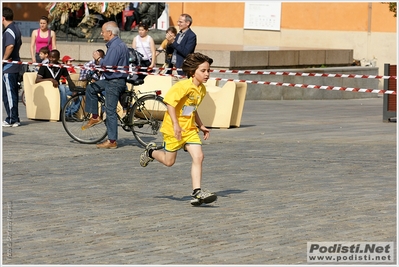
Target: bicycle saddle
(135,81)
(78,89)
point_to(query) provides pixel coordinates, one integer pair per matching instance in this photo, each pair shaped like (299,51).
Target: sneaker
(144,157)
(202,196)
(6,124)
(107,144)
(91,123)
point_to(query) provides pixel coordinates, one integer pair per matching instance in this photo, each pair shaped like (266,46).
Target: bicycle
(143,117)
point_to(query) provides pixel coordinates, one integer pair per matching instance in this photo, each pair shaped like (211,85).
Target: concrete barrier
(273,92)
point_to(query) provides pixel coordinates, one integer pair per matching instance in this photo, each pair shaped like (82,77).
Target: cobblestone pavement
(294,172)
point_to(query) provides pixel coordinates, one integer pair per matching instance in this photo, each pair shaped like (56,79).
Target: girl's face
(142,32)
(43,24)
(201,74)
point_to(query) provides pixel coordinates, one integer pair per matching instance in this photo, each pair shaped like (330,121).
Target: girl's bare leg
(196,168)
(165,157)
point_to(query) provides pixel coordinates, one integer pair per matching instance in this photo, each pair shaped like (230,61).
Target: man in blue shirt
(114,83)
(11,44)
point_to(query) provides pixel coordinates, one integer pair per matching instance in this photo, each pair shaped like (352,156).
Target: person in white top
(144,44)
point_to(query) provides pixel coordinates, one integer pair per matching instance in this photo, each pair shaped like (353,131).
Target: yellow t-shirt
(185,97)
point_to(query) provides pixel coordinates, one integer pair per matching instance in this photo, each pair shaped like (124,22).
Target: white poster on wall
(262,15)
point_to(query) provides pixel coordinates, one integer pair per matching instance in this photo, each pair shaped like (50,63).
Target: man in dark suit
(184,42)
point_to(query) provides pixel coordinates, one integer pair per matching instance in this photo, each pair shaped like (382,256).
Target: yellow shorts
(171,144)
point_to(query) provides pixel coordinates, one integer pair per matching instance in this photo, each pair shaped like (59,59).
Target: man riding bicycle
(114,84)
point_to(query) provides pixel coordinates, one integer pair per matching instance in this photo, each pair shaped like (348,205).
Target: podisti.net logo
(381,252)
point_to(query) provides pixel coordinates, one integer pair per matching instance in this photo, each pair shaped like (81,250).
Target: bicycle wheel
(74,116)
(146,116)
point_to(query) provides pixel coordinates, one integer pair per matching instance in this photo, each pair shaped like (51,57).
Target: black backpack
(135,57)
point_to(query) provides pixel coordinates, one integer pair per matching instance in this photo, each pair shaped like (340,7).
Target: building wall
(338,16)
(370,29)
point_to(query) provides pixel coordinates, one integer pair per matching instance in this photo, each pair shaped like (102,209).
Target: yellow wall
(382,19)
(226,14)
(337,16)
(334,25)
(325,16)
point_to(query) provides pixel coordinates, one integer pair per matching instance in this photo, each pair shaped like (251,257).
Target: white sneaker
(144,157)
(6,124)
(202,196)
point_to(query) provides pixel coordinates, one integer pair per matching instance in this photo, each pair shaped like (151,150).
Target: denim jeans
(10,96)
(64,93)
(113,89)
(74,107)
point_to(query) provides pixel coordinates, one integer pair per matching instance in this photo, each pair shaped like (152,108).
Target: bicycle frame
(143,116)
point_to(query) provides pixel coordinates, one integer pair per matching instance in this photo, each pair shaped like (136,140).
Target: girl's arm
(53,40)
(33,45)
(201,126)
(153,54)
(176,127)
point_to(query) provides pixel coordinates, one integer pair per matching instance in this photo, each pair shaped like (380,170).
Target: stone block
(339,57)
(270,92)
(283,58)
(312,94)
(245,59)
(292,93)
(312,57)
(312,80)
(332,94)
(221,58)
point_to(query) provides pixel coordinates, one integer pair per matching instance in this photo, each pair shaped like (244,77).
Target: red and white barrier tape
(321,87)
(252,72)
(285,73)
